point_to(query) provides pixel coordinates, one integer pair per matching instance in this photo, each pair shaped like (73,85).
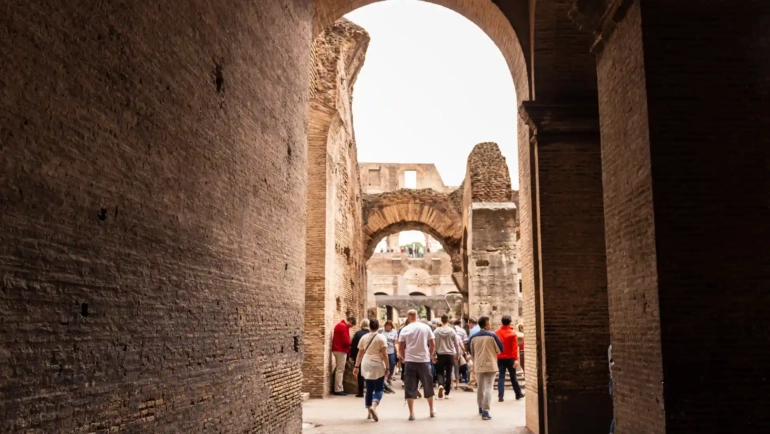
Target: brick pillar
(572,312)
(492,269)
(682,97)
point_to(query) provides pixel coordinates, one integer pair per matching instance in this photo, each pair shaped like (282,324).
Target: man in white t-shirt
(416,344)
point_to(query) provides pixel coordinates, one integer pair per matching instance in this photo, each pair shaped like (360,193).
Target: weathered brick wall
(335,286)
(488,174)
(530,282)
(688,178)
(152,206)
(574,283)
(632,274)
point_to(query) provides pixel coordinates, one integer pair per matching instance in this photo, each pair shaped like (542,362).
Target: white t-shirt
(372,363)
(416,336)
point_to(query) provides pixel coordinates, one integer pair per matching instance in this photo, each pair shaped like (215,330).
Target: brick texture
(152,212)
(402,210)
(686,143)
(574,284)
(335,286)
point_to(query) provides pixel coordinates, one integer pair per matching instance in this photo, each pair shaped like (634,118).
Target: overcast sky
(433,85)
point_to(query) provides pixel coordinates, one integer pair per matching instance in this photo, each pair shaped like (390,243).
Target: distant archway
(423,210)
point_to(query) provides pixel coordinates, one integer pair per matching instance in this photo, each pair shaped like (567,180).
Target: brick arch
(484,13)
(405,210)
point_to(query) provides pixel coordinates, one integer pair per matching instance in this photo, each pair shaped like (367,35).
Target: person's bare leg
(430,405)
(410,404)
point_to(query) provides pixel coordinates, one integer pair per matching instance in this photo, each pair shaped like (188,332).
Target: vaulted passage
(177,194)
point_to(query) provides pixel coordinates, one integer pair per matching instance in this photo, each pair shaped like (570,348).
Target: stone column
(573,315)
(683,104)
(492,269)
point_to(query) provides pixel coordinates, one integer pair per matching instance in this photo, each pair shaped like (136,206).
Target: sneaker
(411,417)
(446,396)
(485,416)
(469,389)
(520,396)
(440,392)
(359,396)
(432,414)
(500,399)
(341,394)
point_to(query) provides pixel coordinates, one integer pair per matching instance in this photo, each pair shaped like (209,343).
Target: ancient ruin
(181,218)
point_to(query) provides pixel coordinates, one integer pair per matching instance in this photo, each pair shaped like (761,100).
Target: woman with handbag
(372,363)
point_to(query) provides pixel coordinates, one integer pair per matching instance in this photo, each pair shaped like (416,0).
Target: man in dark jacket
(354,353)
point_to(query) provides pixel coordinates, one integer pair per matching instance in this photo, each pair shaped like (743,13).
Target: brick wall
(530,276)
(488,174)
(632,275)
(682,126)
(335,287)
(574,283)
(152,211)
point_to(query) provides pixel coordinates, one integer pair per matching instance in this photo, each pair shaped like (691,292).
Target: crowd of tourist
(434,359)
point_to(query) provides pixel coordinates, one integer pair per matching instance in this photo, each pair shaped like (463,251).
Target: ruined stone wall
(436,263)
(488,174)
(490,263)
(152,215)
(335,286)
(384,177)
(398,274)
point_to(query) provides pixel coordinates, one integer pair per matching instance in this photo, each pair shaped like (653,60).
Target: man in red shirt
(508,359)
(340,350)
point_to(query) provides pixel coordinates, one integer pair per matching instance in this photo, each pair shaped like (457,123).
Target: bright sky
(433,86)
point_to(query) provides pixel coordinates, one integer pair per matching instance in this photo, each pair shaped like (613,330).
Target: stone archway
(423,210)
(510,36)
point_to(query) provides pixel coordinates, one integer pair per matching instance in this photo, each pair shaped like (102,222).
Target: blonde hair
(365,324)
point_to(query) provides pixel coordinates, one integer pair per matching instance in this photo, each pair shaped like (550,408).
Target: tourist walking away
(372,364)
(447,354)
(416,343)
(391,335)
(473,329)
(508,360)
(354,353)
(340,350)
(485,346)
(399,354)
(461,367)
